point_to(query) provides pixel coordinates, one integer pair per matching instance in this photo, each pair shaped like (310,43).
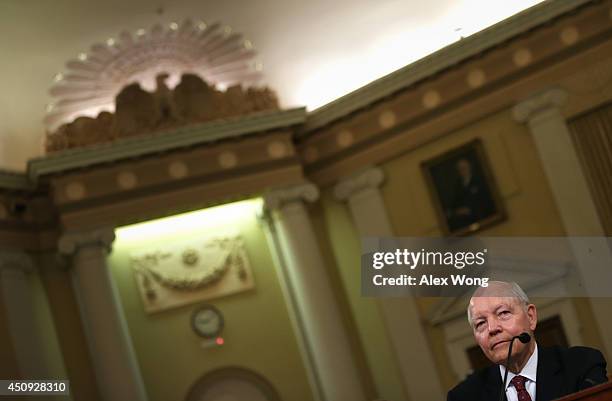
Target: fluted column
(401,316)
(569,187)
(114,359)
(15,268)
(319,316)
(560,161)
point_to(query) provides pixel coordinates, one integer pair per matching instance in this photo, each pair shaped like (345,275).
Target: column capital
(16,260)
(532,106)
(277,198)
(70,242)
(367,179)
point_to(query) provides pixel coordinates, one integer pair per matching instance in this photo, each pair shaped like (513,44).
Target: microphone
(524,337)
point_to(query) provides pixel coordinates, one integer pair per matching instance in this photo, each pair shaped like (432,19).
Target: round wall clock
(207,321)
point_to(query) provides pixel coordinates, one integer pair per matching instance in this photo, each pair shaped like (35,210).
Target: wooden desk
(602,392)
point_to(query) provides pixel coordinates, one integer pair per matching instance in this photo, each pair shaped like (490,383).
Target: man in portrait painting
(471,199)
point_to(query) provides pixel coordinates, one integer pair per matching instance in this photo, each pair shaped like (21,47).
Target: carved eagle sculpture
(136,111)
(139,112)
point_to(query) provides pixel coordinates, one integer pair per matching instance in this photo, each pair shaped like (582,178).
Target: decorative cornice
(277,198)
(527,109)
(16,260)
(438,61)
(180,138)
(370,178)
(137,111)
(69,243)
(14,180)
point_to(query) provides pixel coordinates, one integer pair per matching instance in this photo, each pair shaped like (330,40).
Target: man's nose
(493,326)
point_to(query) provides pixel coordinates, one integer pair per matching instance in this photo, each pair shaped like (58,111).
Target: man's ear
(532,316)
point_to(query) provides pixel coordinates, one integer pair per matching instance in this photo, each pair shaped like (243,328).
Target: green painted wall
(258,333)
(371,330)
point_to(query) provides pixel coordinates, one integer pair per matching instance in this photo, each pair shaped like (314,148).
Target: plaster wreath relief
(185,272)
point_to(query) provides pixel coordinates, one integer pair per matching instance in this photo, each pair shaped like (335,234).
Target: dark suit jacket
(561,371)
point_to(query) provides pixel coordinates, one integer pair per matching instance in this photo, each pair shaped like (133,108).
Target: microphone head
(524,337)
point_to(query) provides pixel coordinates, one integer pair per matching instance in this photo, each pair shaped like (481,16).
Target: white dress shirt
(529,371)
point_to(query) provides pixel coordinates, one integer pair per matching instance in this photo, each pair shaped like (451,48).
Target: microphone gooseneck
(524,338)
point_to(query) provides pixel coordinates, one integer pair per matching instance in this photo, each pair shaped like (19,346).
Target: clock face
(207,321)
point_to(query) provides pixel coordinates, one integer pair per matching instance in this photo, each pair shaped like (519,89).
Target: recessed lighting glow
(213,218)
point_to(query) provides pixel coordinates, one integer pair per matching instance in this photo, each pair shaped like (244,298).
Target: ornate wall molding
(178,138)
(440,60)
(14,180)
(70,243)
(227,377)
(370,178)
(279,197)
(528,109)
(595,78)
(184,272)
(139,112)
(432,104)
(555,40)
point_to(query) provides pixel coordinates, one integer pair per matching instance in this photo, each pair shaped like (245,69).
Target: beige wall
(524,190)
(516,170)
(530,209)
(258,332)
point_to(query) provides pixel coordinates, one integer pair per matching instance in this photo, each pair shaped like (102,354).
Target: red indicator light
(219,340)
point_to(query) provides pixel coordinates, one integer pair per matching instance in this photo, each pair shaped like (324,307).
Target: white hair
(499,289)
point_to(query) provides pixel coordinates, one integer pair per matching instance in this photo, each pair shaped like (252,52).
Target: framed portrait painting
(463,191)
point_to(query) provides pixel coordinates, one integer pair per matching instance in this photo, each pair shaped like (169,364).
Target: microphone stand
(503,389)
(524,338)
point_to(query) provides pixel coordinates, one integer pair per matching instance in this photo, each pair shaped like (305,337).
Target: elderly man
(500,312)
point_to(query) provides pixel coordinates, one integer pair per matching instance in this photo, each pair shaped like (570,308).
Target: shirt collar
(530,370)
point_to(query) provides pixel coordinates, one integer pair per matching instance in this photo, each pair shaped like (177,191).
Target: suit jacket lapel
(549,380)
(494,384)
